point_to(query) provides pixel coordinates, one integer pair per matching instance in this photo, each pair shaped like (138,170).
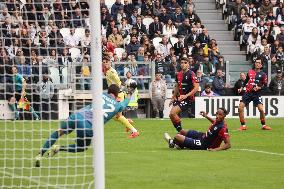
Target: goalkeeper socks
(14,109)
(49,142)
(34,113)
(262,120)
(126,123)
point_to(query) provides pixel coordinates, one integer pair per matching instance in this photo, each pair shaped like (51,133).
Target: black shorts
(248,97)
(184,105)
(194,140)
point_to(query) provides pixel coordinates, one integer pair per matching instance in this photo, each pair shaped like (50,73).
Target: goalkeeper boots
(169,140)
(37,160)
(53,150)
(134,134)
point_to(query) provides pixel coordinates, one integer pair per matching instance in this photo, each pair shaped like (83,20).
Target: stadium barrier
(273,106)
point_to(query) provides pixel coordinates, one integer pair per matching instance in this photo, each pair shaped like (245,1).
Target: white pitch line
(259,151)
(30,179)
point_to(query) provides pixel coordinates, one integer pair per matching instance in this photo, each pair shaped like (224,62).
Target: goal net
(44,60)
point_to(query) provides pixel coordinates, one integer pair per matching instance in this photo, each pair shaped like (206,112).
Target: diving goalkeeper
(113,78)
(81,121)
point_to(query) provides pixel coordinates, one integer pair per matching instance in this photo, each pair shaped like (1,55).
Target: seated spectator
(208,92)
(266,7)
(115,7)
(133,17)
(71,40)
(201,80)
(266,35)
(120,15)
(280,36)
(169,29)
(124,28)
(128,8)
(133,46)
(178,17)
(164,16)
(266,58)
(254,41)
(140,26)
(106,46)
(174,67)
(247,29)
(155,28)
(179,45)
(193,65)
(277,84)
(77,19)
(160,64)
(218,84)
(193,18)
(208,69)
(164,47)
(204,37)
(115,38)
(239,85)
(187,4)
(157,7)
(185,28)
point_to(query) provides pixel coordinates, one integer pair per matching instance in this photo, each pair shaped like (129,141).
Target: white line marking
(36,181)
(131,152)
(259,151)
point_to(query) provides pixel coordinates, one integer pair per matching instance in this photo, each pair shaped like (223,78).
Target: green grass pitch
(256,159)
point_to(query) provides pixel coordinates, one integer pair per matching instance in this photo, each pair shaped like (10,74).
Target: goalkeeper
(81,121)
(113,78)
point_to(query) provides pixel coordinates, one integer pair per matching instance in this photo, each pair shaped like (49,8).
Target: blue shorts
(248,97)
(83,129)
(194,141)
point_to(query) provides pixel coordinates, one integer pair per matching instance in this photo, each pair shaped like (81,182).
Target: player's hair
(224,110)
(258,58)
(106,58)
(184,59)
(113,89)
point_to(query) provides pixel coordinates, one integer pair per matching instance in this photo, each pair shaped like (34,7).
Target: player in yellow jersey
(113,78)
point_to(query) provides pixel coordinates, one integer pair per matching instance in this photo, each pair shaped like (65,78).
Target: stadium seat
(64,32)
(147,21)
(54,74)
(119,51)
(80,32)
(75,53)
(156,41)
(173,40)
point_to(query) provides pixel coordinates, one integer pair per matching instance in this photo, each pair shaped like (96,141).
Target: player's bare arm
(225,146)
(205,115)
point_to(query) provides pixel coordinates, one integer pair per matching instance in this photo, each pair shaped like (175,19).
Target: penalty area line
(35,181)
(259,151)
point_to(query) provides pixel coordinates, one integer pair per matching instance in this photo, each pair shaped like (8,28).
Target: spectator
(85,74)
(179,45)
(266,58)
(174,67)
(128,8)
(107,46)
(164,47)
(219,85)
(71,40)
(187,4)
(238,87)
(159,64)
(185,28)
(254,40)
(115,38)
(77,19)
(277,84)
(115,7)
(247,29)
(133,46)
(266,7)
(192,37)
(155,28)
(157,91)
(169,29)
(280,36)
(193,18)
(208,92)
(157,7)
(45,90)
(133,17)
(178,17)
(164,16)
(201,80)
(140,26)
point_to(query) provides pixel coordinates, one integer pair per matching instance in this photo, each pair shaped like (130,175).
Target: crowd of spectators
(49,35)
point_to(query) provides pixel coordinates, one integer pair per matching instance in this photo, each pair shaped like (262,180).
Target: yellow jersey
(112,77)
